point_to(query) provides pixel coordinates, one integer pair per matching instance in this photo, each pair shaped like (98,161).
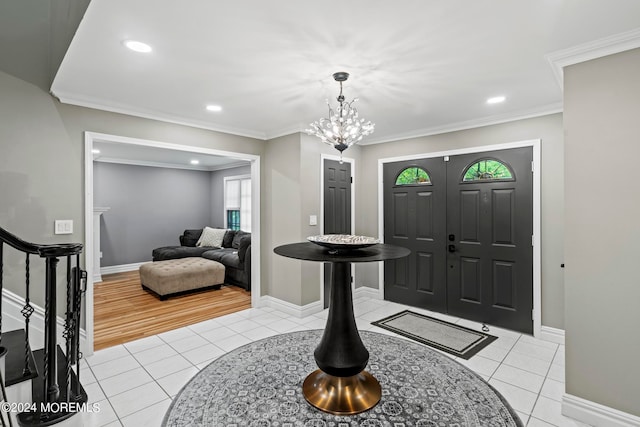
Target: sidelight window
(487,170)
(413,175)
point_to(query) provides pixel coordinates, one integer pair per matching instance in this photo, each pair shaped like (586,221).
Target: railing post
(52,391)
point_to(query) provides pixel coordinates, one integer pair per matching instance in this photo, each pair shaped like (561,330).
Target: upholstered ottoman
(177,276)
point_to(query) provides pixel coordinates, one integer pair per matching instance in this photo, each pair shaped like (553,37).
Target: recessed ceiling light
(195,162)
(95,151)
(214,108)
(496,100)
(137,46)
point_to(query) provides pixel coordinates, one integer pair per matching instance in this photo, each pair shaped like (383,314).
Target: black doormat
(448,337)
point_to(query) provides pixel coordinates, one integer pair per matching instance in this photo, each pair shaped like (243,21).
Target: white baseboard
(554,335)
(596,414)
(12,320)
(291,309)
(366,292)
(122,268)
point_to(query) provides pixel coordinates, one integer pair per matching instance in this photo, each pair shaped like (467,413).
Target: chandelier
(344,127)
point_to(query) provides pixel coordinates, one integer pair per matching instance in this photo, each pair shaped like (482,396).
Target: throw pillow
(236,239)
(228,238)
(211,237)
(245,242)
(190,237)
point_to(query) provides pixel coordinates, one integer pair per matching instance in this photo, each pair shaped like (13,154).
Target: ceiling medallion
(344,127)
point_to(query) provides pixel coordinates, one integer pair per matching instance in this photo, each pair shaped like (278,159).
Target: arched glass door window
(488,170)
(413,175)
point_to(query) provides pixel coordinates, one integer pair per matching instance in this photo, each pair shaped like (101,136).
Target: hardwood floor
(124,312)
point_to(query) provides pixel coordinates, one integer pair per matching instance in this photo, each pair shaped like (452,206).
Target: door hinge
(446,158)
(532,240)
(533,166)
(533,314)
(351,178)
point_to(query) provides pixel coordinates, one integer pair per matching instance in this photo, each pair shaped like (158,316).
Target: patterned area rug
(453,339)
(260,385)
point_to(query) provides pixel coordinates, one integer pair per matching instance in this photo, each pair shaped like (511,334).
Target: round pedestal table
(341,385)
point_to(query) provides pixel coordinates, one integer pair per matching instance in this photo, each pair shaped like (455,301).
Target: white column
(97,212)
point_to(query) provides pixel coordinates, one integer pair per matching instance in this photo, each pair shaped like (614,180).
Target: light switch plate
(313,220)
(63,226)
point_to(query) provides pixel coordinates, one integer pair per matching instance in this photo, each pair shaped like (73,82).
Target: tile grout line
(153,380)
(540,393)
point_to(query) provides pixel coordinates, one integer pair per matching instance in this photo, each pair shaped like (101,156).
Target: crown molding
(471,124)
(591,50)
(97,104)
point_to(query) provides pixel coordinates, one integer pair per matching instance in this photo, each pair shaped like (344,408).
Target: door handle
(452,248)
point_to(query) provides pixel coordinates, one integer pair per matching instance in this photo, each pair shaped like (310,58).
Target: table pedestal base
(342,395)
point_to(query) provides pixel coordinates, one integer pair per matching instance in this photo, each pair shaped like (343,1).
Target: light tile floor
(135,382)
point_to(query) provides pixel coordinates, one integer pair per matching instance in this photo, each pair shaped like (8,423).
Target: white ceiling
(418,66)
(142,155)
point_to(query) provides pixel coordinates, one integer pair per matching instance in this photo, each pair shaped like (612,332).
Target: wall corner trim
(554,335)
(122,268)
(291,309)
(366,292)
(596,414)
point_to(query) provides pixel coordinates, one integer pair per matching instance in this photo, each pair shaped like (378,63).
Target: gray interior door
(337,207)
(415,217)
(490,223)
(469,230)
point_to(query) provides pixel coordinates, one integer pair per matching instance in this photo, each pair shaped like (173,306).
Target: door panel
(400,228)
(482,267)
(424,215)
(415,218)
(337,207)
(469,216)
(504,285)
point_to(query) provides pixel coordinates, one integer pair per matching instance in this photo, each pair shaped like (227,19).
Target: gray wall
(548,129)
(41,165)
(602,235)
(149,208)
(281,217)
(217,192)
(291,193)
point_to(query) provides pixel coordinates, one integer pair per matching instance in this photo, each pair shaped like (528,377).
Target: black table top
(311,252)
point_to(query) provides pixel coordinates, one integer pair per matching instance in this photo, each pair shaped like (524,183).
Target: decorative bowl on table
(343,241)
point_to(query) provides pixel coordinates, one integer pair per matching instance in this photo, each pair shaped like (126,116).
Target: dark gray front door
(470,231)
(337,207)
(415,217)
(490,221)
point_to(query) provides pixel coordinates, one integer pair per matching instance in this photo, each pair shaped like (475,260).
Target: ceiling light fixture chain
(344,127)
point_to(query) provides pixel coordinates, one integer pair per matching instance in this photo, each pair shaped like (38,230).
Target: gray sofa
(235,254)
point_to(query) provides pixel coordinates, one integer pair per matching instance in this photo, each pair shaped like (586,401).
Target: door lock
(452,237)
(452,248)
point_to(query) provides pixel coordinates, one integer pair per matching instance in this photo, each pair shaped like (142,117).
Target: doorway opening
(92,253)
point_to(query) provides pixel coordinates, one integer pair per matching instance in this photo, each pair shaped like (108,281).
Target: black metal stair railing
(56,390)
